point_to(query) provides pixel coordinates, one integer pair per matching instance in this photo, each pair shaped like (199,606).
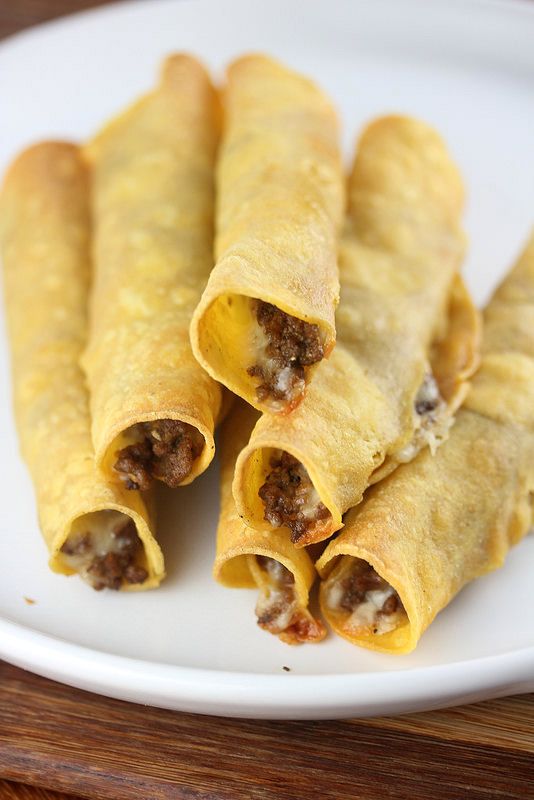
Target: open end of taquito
(109,548)
(266,317)
(90,527)
(268,350)
(283,584)
(278,484)
(361,603)
(173,450)
(247,558)
(433,525)
(153,407)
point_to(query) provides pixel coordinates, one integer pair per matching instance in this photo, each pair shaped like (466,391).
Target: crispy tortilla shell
(404,310)
(235,563)
(45,232)
(153,199)
(439,522)
(280,205)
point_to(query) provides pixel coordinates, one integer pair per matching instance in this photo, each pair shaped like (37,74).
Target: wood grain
(73,741)
(21,791)
(64,740)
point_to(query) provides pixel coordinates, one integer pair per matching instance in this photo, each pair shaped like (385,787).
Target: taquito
(408,337)
(282,574)
(439,522)
(90,527)
(267,314)
(153,407)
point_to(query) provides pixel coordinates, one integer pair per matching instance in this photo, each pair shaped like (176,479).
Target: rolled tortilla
(439,522)
(89,526)
(267,314)
(408,337)
(153,407)
(283,575)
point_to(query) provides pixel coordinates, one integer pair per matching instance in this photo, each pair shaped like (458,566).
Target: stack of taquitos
(91,527)
(267,313)
(407,341)
(442,521)
(153,407)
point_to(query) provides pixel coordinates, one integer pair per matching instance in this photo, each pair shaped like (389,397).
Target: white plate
(468,68)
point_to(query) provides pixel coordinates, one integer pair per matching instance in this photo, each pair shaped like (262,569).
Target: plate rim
(514,6)
(213,691)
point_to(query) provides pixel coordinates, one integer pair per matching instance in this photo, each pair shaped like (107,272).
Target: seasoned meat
(292,344)
(278,610)
(274,617)
(304,628)
(166,453)
(134,464)
(356,586)
(289,497)
(107,559)
(390,605)
(78,547)
(359,583)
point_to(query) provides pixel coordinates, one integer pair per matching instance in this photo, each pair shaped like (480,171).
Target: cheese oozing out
(278,609)
(284,348)
(431,421)
(104,548)
(364,600)
(277,603)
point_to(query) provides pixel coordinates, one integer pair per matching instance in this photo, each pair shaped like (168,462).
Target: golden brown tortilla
(280,204)
(44,234)
(404,313)
(236,564)
(439,522)
(153,199)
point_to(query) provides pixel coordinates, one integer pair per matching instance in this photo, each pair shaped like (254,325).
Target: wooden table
(59,739)
(73,741)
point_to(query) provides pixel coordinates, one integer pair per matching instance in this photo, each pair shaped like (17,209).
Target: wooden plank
(504,723)
(21,791)
(73,741)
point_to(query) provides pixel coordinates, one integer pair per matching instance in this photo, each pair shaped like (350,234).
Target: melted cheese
(101,526)
(367,613)
(272,599)
(431,428)
(259,342)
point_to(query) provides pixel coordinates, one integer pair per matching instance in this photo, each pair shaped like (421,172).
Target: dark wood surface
(21,791)
(55,739)
(60,738)
(18,14)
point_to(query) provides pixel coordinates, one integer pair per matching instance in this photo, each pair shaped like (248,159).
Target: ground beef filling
(277,609)
(166,451)
(291,345)
(356,586)
(107,570)
(289,497)
(369,600)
